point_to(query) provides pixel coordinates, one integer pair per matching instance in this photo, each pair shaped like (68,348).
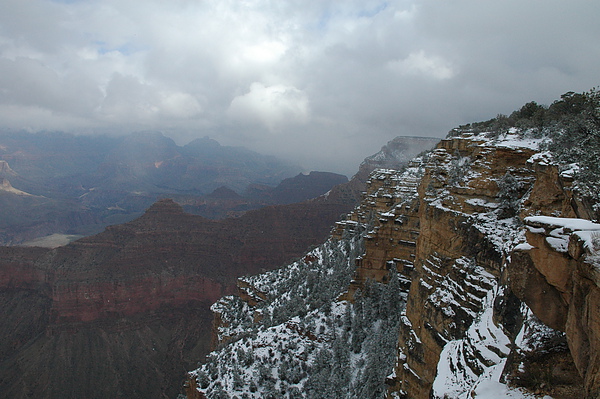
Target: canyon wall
(467,244)
(126,312)
(478,276)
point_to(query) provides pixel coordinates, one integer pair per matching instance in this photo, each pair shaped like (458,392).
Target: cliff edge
(472,272)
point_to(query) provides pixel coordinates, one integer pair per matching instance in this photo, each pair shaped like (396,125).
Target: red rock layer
(144,286)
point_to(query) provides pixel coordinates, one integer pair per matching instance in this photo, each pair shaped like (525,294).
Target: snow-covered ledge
(576,237)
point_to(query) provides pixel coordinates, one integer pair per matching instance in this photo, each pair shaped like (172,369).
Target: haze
(322,83)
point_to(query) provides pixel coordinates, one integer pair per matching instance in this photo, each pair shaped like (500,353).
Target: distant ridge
(109,180)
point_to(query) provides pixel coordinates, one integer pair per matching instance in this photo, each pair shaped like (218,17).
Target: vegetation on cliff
(571,126)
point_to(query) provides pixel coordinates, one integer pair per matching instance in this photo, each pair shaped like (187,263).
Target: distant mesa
(81,184)
(202,145)
(7,187)
(165,206)
(224,193)
(299,188)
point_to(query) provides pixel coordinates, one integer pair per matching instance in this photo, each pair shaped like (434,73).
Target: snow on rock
(514,140)
(570,171)
(572,224)
(488,386)
(591,239)
(462,361)
(559,231)
(472,367)
(481,202)
(524,247)
(542,158)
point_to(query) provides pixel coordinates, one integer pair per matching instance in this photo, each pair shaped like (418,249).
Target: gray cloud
(324,83)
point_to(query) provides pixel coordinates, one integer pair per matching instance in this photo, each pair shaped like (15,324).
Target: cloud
(127,99)
(273,106)
(265,52)
(419,63)
(320,81)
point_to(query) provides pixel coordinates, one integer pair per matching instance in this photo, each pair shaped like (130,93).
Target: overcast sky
(324,83)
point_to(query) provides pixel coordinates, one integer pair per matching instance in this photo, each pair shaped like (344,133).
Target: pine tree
(576,138)
(508,194)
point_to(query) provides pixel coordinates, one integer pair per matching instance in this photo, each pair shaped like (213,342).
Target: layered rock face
(556,274)
(468,257)
(126,312)
(497,265)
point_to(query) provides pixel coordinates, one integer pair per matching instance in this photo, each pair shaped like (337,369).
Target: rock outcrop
(5,169)
(556,275)
(7,187)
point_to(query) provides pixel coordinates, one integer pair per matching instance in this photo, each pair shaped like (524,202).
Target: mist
(321,83)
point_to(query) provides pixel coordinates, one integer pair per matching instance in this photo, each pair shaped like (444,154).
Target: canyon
(59,183)
(125,313)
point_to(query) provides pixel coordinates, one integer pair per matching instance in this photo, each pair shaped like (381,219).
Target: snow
(504,234)
(481,202)
(542,158)
(524,247)
(409,327)
(558,244)
(489,386)
(591,240)
(424,284)
(536,230)
(534,333)
(572,224)
(514,141)
(570,171)
(455,378)
(563,228)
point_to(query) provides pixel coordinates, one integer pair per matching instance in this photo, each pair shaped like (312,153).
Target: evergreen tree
(577,138)
(509,189)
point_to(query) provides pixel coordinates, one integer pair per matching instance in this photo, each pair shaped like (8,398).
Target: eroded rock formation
(554,273)
(126,312)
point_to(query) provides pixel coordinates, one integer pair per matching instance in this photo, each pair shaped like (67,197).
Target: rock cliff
(469,265)
(475,272)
